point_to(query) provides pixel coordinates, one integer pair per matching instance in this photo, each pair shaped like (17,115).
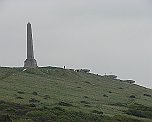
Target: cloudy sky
(106,36)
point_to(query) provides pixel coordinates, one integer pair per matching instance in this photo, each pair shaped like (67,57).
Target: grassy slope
(83,92)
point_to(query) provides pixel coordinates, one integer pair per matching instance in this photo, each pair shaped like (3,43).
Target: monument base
(30,63)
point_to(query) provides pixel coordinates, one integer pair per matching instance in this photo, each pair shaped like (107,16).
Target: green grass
(39,90)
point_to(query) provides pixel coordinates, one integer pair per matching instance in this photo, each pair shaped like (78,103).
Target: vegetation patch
(105,95)
(87,82)
(97,112)
(110,92)
(32,105)
(5,118)
(88,106)
(19,98)
(147,95)
(120,118)
(58,114)
(65,104)
(20,92)
(132,96)
(17,112)
(46,97)
(86,97)
(84,102)
(140,111)
(119,104)
(35,93)
(82,94)
(33,100)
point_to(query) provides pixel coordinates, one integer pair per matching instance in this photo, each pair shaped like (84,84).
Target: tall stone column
(30,61)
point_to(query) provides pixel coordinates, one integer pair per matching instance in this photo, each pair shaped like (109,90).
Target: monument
(30,61)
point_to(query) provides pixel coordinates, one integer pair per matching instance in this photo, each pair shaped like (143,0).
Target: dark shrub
(87,82)
(2,102)
(88,106)
(105,95)
(41,116)
(3,106)
(5,118)
(32,105)
(97,112)
(140,111)
(46,96)
(110,91)
(120,88)
(35,93)
(58,111)
(86,97)
(33,100)
(119,118)
(65,104)
(132,96)
(20,92)
(119,104)
(147,95)
(19,98)
(84,102)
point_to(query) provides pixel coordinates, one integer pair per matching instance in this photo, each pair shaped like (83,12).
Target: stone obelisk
(30,61)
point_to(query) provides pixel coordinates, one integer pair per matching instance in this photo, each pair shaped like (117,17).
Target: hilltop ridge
(82,95)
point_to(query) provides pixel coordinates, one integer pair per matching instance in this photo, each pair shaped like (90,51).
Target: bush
(32,105)
(5,118)
(97,112)
(3,105)
(120,88)
(86,97)
(110,92)
(35,93)
(58,114)
(20,92)
(65,104)
(84,102)
(119,104)
(105,95)
(58,111)
(88,106)
(140,111)
(46,96)
(33,100)
(119,118)
(41,116)
(147,95)
(19,98)
(132,96)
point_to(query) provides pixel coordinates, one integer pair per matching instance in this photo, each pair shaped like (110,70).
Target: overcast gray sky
(102,35)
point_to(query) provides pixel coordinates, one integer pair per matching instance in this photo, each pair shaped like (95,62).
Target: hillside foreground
(51,94)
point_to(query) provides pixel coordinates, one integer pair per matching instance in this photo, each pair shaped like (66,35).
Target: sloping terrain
(51,94)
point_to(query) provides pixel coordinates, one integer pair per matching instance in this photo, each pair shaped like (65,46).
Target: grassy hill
(51,94)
